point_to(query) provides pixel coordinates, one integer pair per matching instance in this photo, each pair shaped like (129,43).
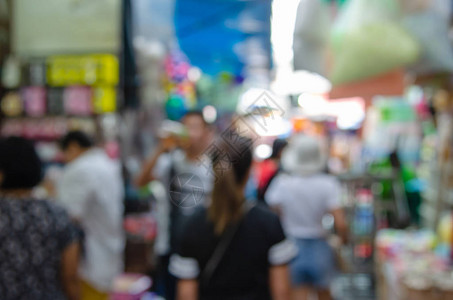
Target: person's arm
(280,282)
(281,252)
(274,193)
(340,224)
(334,207)
(184,265)
(146,174)
(69,267)
(187,289)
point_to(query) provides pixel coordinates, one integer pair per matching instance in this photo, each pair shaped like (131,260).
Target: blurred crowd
(229,227)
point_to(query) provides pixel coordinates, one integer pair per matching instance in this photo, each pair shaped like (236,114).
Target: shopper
(180,164)
(39,247)
(270,167)
(232,250)
(92,191)
(303,197)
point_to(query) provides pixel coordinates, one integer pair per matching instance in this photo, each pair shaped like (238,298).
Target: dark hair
(394,159)
(278,146)
(231,160)
(19,163)
(195,113)
(76,136)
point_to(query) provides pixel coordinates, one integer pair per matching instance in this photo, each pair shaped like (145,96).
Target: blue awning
(224,35)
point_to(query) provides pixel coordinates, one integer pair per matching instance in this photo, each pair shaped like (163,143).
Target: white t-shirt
(91,189)
(304,201)
(201,184)
(194,193)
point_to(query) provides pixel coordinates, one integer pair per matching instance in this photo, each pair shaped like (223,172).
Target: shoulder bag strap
(221,248)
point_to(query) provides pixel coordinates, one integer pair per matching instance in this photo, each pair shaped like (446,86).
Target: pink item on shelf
(60,127)
(77,100)
(130,286)
(35,100)
(47,126)
(31,129)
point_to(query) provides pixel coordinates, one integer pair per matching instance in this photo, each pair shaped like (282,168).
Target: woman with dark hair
(232,250)
(39,247)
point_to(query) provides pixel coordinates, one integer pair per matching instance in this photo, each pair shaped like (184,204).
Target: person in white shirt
(303,196)
(91,189)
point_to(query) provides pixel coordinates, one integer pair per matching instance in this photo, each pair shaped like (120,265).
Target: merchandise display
(69,93)
(95,69)
(410,268)
(180,89)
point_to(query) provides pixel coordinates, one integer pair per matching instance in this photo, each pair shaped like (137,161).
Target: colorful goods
(83,69)
(104,99)
(77,100)
(12,105)
(34,98)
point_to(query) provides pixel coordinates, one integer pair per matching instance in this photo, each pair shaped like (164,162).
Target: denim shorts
(314,265)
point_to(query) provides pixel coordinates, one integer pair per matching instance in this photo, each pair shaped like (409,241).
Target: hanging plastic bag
(430,28)
(367,40)
(311,36)
(411,6)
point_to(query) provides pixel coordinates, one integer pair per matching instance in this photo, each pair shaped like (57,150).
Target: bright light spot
(270,126)
(301,82)
(209,114)
(257,99)
(282,28)
(263,151)
(249,99)
(287,82)
(194,74)
(350,112)
(313,104)
(349,122)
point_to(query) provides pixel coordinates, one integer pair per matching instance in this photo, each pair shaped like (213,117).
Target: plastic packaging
(411,6)
(430,28)
(367,40)
(311,36)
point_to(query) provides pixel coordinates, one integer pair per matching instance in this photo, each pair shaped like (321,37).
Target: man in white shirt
(184,168)
(91,189)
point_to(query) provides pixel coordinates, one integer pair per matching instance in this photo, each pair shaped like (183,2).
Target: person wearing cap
(303,195)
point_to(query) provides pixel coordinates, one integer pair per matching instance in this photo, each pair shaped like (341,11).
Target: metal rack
(359,280)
